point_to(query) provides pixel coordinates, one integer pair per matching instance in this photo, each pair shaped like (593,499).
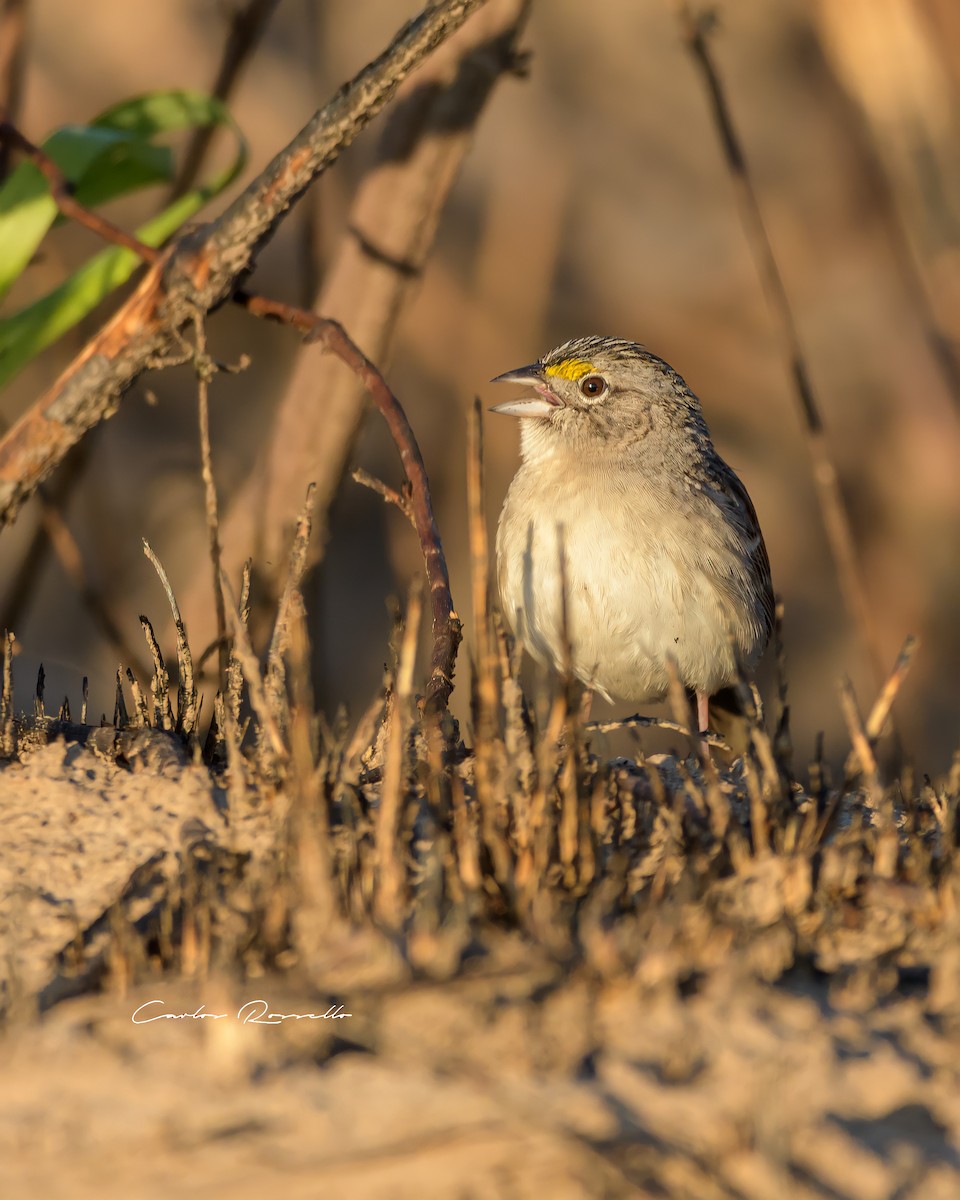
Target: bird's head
(596,391)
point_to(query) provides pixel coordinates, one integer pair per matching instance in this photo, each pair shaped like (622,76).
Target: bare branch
(445,622)
(390,495)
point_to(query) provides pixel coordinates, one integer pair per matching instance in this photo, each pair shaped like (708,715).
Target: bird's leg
(703,721)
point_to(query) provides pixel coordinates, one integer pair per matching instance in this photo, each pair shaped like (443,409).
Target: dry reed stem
(480,575)
(883,704)
(771,787)
(759,824)
(363,737)
(309,820)
(492,794)
(592,833)
(8,746)
(205,371)
(772,781)
(274,753)
(290,601)
(466,838)
(836,518)
(520,769)
(234,674)
(121,718)
(568,827)
(140,705)
(390,495)
(389,903)
(187,712)
(226,726)
(534,858)
(861,744)
(160,681)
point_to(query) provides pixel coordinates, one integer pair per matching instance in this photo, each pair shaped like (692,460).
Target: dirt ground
(750,1046)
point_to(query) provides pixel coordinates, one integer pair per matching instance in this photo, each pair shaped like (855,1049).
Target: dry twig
(160,682)
(400,499)
(290,604)
(187,712)
(205,370)
(445,624)
(389,850)
(880,712)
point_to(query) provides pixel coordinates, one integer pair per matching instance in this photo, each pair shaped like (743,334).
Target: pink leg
(703,712)
(703,722)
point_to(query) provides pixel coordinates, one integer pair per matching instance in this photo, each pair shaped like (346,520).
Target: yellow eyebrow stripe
(570,368)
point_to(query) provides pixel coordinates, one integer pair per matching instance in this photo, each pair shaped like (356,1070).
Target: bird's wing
(729,491)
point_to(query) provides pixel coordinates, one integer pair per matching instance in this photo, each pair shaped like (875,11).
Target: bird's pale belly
(637,594)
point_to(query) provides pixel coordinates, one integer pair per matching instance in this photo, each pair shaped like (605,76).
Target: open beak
(542,405)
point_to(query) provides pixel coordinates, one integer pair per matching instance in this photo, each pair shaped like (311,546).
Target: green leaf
(106,159)
(101,163)
(124,168)
(161,112)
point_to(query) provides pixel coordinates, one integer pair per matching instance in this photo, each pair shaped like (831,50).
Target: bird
(625,541)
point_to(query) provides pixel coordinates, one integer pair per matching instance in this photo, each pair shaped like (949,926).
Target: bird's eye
(593,386)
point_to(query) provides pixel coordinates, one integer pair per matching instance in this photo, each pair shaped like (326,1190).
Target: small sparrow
(622,499)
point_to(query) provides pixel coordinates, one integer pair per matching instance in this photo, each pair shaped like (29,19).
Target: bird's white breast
(639,586)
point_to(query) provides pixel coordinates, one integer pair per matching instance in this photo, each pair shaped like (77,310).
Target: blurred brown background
(595,199)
